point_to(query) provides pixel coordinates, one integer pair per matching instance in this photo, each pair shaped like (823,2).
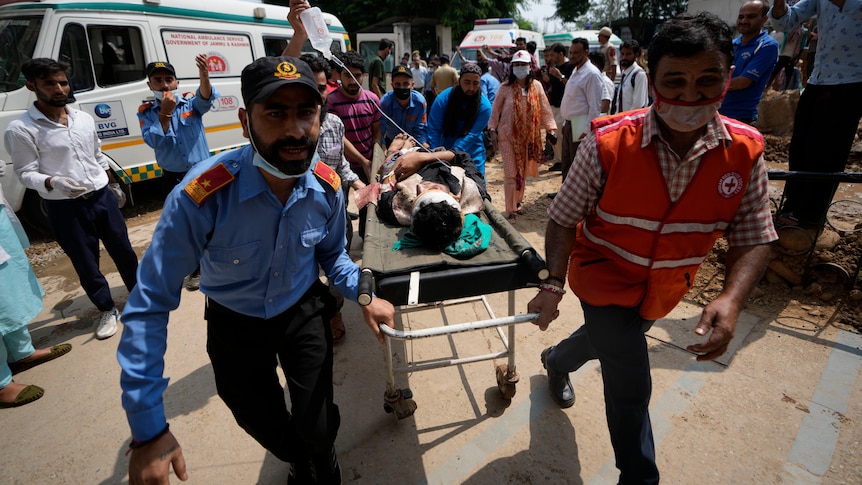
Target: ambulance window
(274,46)
(75,50)
(117,54)
(17,44)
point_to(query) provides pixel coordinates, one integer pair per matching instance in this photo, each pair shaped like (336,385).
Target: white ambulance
(498,34)
(108,44)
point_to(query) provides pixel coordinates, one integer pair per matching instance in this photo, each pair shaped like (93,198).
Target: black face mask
(402,93)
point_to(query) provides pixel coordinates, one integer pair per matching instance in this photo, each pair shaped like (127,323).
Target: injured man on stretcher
(436,194)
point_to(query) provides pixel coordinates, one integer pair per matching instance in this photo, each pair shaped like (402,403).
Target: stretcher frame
(425,287)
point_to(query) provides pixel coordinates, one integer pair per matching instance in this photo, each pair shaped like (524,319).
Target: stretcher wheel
(506,381)
(400,403)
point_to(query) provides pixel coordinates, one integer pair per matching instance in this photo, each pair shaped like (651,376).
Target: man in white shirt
(598,60)
(634,87)
(582,100)
(56,152)
(418,70)
(610,52)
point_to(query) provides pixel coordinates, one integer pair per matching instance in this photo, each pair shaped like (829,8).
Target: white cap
(606,31)
(522,56)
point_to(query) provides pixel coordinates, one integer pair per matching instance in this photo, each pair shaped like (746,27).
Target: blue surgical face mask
(260,162)
(521,72)
(161,94)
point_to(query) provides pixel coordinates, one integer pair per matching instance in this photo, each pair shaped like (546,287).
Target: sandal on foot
(56,351)
(336,326)
(520,210)
(26,396)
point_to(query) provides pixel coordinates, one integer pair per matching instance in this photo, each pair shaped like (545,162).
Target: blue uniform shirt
(185,143)
(257,257)
(473,142)
(411,118)
(755,60)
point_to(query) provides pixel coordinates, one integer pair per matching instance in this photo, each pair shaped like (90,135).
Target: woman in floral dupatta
(520,111)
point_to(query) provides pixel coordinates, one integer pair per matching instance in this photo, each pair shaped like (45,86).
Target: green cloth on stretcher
(474,238)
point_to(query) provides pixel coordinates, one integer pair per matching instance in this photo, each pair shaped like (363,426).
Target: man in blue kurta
(459,116)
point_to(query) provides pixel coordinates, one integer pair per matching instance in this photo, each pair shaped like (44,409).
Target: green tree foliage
(571,10)
(457,14)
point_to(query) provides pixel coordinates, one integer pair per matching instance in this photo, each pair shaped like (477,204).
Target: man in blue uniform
(173,126)
(405,107)
(260,220)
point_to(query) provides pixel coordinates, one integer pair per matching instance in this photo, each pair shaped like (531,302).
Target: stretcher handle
(844,177)
(457,328)
(365,287)
(534,264)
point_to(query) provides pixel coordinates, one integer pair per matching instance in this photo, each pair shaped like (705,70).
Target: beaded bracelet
(552,289)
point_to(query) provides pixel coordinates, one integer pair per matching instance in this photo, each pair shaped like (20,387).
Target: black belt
(91,194)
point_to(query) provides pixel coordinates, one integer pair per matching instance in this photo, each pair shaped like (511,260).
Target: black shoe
(558,383)
(557,167)
(352,215)
(552,195)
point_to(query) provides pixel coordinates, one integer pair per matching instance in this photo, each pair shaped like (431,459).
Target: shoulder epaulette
(325,173)
(208,183)
(145,106)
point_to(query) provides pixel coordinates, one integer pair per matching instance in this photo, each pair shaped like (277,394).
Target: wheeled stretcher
(418,278)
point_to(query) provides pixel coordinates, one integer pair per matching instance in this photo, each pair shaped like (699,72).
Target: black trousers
(245,351)
(823,131)
(569,149)
(615,336)
(78,225)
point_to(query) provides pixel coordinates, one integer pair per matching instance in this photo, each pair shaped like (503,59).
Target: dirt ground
(799,282)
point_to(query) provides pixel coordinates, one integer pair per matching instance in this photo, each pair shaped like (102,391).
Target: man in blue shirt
(405,106)
(754,56)
(829,108)
(490,84)
(260,220)
(173,125)
(460,115)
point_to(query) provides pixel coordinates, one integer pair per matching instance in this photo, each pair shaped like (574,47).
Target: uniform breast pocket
(227,265)
(308,239)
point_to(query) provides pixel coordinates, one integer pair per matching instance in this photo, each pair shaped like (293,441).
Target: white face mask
(686,116)
(521,72)
(161,94)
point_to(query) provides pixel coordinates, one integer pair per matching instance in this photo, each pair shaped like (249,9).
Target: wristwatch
(562,77)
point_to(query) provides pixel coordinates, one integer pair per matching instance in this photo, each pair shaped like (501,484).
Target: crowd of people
(280,204)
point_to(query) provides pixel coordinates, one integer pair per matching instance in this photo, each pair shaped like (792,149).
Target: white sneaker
(107,324)
(193,283)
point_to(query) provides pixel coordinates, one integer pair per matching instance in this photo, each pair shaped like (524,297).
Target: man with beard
(56,152)
(260,220)
(632,91)
(649,194)
(405,106)
(459,116)
(755,53)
